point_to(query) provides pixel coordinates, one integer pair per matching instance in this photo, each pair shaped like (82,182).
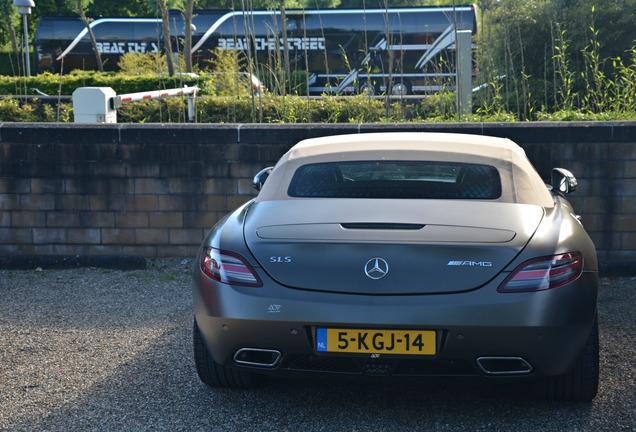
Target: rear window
(396,179)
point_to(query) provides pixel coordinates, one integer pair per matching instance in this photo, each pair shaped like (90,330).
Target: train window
(147,31)
(65,30)
(113,31)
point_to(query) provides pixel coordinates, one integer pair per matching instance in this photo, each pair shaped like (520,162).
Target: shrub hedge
(264,109)
(54,85)
(224,109)
(13,110)
(212,105)
(240,107)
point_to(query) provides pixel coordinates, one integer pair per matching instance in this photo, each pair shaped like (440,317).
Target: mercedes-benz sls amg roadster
(402,255)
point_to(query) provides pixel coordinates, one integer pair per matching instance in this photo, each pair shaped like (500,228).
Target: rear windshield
(396,179)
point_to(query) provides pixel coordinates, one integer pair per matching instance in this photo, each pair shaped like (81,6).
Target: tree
(551,54)
(167,40)
(187,46)
(80,7)
(110,8)
(10,21)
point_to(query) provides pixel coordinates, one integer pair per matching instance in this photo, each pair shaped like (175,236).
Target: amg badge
(470,263)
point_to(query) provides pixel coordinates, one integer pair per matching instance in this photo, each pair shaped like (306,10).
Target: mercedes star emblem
(376,268)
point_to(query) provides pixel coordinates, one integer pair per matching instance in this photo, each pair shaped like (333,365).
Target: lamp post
(24,8)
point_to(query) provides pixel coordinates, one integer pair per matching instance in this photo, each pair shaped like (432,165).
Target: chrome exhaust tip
(257,357)
(501,366)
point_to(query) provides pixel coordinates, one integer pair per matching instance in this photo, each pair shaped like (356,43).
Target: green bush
(13,110)
(265,109)
(215,106)
(54,85)
(133,63)
(170,110)
(225,109)
(227,76)
(289,109)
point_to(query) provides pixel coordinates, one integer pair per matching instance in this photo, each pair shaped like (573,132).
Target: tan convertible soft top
(520,181)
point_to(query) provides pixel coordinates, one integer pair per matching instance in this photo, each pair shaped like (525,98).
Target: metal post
(27,59)
(463,82)
(191,108)
(24,9)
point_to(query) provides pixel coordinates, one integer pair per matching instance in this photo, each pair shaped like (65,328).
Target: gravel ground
(94,349)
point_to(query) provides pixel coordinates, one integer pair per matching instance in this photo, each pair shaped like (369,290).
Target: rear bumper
(547,330)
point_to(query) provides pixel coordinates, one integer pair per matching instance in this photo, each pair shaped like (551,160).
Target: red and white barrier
(100,104)
(118,101)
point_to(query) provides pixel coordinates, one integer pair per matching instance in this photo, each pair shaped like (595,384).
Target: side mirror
(563,181)
(259,179)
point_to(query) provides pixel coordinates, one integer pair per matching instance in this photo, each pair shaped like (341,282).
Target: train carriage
(397,50)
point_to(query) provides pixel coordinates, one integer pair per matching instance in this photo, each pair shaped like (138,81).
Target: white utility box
(93,105)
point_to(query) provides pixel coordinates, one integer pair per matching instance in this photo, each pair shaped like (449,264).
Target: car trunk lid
(387,246)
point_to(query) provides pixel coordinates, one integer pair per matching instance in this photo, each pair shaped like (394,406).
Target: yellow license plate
(366,341)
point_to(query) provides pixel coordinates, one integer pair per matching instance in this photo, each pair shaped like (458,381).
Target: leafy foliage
(227,74)
(9,23)
(556,56)
(66,85)
(133,63)
(12,110)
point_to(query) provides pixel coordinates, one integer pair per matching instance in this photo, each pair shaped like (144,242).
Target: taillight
(228,267)
(544,273)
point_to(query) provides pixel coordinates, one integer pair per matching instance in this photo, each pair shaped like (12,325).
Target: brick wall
(154,190)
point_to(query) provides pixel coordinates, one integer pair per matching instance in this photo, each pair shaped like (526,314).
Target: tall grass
(569,84)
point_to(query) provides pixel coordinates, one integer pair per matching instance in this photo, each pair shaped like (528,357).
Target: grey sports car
(405,255)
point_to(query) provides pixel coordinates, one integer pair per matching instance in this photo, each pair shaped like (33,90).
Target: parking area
(96,349)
